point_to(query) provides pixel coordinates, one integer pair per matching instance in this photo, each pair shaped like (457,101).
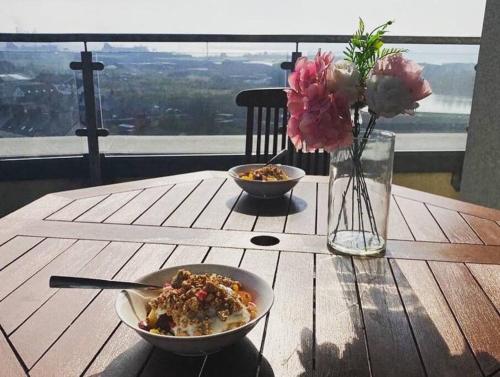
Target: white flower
(343,77)
(388,96)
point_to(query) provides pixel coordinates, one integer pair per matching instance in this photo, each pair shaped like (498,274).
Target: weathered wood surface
(429,308)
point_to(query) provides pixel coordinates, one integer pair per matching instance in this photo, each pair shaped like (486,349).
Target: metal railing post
(92,132)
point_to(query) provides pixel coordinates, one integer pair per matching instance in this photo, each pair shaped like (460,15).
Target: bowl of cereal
(266,181)
(201,308)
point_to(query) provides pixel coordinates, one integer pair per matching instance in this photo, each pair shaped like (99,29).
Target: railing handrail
(235,38)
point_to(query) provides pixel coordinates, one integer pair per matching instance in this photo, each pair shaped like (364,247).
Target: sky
(422,17)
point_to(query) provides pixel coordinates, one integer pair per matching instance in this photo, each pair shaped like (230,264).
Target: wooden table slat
(419,219)
(224,255)
(215,214)
(340,337)
(243,215)
(487,230)
(16,247)
(35,291)
(26,266)
(107,207)
(288,349)
(454,226)
(272,214)
(76,208)
(186,214)
(488,277)
(474,312)
(444,350)
(9,363)
(161,209)
(241,359)
(387,329)
(73,351)
(322,210)
(138,205)
(397,227)
(63,307)
(302,213)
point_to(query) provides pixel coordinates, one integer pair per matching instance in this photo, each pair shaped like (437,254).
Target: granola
(266,173)
(198,304)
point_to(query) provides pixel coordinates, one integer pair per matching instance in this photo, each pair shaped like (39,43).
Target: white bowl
(131,308)
(267,189)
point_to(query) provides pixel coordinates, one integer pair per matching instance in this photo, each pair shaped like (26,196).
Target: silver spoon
(76,282)
(276,157)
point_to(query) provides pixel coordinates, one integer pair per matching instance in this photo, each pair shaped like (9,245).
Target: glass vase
(359,195)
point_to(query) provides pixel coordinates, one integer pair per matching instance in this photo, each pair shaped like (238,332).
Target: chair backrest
(264,105)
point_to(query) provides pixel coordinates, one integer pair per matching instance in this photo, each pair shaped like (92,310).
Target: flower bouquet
(326,102)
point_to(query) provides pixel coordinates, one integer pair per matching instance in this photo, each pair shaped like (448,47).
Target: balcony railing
(418,152)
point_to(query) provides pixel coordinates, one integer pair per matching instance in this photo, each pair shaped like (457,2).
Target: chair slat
(267,132)
(249,134)
(259,131)
(276,126)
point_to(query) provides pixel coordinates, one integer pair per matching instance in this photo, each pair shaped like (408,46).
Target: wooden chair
(267,116)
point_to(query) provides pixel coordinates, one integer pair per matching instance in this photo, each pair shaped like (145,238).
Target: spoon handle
(277,157)
(76,282)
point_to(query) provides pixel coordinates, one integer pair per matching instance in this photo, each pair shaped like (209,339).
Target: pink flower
(343,77)
(395,86)
(318,119)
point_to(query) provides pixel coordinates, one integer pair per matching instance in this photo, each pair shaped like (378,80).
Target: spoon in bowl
(77,282)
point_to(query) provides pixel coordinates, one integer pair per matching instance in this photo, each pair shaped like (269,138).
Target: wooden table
(430,307)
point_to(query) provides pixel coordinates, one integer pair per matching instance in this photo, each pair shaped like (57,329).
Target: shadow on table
(238,360)
(384,335)
(283,206)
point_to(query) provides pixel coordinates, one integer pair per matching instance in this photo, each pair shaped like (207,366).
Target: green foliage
(364,49)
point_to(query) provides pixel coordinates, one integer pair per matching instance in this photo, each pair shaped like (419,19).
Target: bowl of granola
(201,309)
(266,181)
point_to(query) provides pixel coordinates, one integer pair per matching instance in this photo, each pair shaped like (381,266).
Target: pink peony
(395,86)
(318,119)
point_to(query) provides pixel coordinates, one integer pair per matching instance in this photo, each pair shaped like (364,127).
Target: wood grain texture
(241,358)
(387,329)
(9,363)
(160,210)
(35,291)
(123,355)
(40,208)
(16,247)
(224,255)
(475,314)
(289,337)
(107,207)
(72,352)
(487,230)
(322,210)
(302,214)
(441,201)
(244,213)
(76,208)
(488,277)
(61,309)
(454,226)
(23,268)
(340,341)
(419,219)
(186,214)
(242,239)
(272,214)
(444,350)
(397,227)
(138,205)
(217,211)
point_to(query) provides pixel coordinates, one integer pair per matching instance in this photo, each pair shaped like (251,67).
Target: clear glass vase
(359,195)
